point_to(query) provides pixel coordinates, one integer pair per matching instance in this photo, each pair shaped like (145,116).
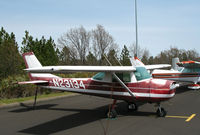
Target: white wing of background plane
(149,67)
(65,69)
(189,64)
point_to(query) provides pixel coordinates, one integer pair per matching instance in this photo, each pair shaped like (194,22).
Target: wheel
(112,114)
(161,112)
(132,107)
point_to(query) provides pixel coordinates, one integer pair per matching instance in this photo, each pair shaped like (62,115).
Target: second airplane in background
(185,73)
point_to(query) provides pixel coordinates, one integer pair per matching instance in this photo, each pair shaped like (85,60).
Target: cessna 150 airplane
(128,83)
(186,72)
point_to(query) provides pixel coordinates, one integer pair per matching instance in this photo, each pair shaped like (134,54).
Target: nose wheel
(161,112)
(132,107)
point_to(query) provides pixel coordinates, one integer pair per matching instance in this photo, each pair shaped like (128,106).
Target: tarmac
(85,115)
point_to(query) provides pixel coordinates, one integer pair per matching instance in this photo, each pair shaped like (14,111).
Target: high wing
(66,69)
(189,64)
(149,67)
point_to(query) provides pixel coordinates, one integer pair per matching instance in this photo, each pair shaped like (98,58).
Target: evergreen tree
(124,57)
(91,59)
(113,58)
(11,61)
(45,50)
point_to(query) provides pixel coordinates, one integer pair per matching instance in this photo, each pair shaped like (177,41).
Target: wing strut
(123,85)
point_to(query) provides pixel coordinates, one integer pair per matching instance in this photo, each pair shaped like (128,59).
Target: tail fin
(174,65)
(136,62)
(31,61)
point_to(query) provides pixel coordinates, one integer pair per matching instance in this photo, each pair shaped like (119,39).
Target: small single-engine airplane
(186,73)
(127,83)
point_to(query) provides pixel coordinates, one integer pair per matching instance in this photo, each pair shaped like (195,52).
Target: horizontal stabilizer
(33,82)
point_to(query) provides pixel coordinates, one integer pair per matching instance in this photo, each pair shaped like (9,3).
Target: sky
(161,23)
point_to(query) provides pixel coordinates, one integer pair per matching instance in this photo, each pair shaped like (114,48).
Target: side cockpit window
(125,77)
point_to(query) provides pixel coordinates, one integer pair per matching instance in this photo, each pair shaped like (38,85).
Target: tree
(67,57)
(11,61)
(77,40)
(151,60)
(45,50)
(124,57)
(91,59)
(140,51)
(112,57)
(145,57)
(167,55)
(102,42)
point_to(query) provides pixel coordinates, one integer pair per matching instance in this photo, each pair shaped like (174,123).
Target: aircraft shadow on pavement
(38,107)
(83,116)
(182,89)
(27,108)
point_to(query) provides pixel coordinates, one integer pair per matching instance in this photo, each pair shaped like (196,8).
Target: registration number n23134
(68,83)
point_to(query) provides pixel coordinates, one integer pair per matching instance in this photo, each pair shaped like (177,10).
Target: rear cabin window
(99,76)
(141,73)
(125,77)
(191,70)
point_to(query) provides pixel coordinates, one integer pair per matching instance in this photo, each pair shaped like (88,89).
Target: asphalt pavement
(85,115)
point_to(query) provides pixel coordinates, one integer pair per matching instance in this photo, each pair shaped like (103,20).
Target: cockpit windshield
(141,73)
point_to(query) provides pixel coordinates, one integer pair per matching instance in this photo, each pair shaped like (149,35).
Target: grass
(16,100)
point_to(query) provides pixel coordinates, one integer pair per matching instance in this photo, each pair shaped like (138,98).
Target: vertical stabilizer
(136,62)
(31,62)
(174,65)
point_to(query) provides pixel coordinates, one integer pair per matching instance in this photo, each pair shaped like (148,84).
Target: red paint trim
(187,62)
(138,59)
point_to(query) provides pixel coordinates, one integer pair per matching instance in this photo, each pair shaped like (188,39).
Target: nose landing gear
(132,107)
(161,112)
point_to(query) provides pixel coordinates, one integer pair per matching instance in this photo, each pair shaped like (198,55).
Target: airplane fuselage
(149,90)
(190,77)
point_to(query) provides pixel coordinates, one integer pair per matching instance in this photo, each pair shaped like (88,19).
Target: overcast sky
(161,23)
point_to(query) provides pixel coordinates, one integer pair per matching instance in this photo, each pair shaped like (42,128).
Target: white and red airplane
(127,83)
(186,73)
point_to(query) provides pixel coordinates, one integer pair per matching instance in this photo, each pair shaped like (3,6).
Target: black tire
(161,112)
(112,114)
(132,107)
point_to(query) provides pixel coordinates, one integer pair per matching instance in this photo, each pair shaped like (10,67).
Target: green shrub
(10,89)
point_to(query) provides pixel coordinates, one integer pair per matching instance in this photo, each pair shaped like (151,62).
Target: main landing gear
(35,99)
(111,113)
(161,112)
